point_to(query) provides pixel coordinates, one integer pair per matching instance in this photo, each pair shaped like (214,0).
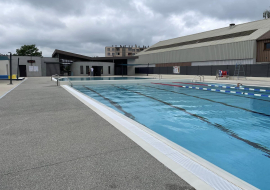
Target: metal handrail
(69,82)
(194,79)
(198,76)
(57,79)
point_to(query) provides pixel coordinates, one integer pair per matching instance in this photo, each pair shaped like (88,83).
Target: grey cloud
(190,21)
(86,27)
(66,7)
(229,9)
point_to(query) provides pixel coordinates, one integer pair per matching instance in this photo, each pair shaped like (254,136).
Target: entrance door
(22,70)
(98,70)
(120,69)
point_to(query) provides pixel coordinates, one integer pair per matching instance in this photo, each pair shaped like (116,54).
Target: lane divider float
(241,88)
(228,87)
(216,90)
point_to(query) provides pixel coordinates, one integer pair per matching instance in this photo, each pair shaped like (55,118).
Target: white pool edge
(196,171)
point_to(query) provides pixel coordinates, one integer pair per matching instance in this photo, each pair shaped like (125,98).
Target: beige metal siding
(236,50)
(225,62)
(263,26)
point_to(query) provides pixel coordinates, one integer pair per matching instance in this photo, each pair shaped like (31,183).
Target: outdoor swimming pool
(229,130)
(101,78)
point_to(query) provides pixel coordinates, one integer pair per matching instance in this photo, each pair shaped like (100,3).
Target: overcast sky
(87,26)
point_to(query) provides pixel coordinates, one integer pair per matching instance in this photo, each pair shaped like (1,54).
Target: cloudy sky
(87,26)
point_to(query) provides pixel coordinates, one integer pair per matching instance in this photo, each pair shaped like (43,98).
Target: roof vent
(232,25)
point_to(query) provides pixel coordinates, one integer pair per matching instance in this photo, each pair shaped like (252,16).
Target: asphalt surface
(50,140)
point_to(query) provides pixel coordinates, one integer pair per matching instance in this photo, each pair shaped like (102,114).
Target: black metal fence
(256,70)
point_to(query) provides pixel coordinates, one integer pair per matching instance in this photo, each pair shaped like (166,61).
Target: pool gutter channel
(171,155)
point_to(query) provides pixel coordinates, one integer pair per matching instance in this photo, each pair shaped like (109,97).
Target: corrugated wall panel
(225,62)
(237,50)
(174,56)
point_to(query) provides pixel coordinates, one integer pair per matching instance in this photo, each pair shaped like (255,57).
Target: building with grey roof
(247,43)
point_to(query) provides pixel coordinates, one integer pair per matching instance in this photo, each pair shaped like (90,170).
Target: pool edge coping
(176,168)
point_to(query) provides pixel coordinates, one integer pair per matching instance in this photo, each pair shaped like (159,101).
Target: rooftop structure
(123,51)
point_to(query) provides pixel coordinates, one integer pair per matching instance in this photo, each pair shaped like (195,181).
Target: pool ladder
(70,82)
(57,79)
(201,77)
(158,77)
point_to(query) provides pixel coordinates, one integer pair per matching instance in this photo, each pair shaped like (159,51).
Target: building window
(109,54)
(87,70)
(112,49)
(81,69)
(129,49)
(112,54)
(133,50)
(109,69)
(133,53)
(138,50)
(108,49)
(267,46)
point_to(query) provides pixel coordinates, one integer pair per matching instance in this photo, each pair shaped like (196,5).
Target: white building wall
(4,70)
(23,61)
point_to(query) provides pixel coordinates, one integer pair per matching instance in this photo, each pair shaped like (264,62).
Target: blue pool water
(229,130)
(101,78)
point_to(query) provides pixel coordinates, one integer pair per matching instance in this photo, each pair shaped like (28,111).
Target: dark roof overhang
(91,58)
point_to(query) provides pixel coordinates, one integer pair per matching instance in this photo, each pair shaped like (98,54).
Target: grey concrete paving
(50,140)
(5,87)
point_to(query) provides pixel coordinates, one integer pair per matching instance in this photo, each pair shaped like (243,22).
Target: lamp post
(10,67)
(18,69)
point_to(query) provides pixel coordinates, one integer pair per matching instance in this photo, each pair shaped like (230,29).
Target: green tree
(28,50)
(266,14)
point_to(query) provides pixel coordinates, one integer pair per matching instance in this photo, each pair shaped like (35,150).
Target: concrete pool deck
(6,87)
(64,139)
(50,140)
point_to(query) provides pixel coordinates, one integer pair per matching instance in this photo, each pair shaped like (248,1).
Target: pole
(10,67)
(148,69)
(122,70)
(18,69)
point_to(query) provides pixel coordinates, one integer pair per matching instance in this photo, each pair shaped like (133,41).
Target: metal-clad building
(247,43)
